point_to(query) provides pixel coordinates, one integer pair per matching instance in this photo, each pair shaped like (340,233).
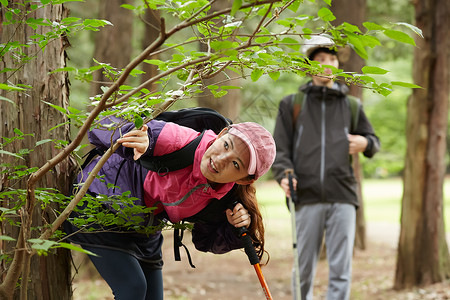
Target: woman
(225,166)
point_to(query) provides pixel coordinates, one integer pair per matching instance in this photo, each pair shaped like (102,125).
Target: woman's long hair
(247,194)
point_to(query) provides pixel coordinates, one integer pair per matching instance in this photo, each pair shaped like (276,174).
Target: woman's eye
(225,144)
(236,165)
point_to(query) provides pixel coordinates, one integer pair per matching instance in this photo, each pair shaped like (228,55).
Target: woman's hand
(136,139)
(239,216)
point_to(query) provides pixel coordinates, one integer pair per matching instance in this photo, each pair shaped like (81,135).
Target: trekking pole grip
(246,241)
(290,175)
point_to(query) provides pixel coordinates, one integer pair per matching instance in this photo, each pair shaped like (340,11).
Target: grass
(382,200)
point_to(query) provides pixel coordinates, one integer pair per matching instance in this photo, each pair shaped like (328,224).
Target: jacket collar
(338,88)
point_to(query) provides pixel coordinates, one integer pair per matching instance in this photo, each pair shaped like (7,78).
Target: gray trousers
(337,221)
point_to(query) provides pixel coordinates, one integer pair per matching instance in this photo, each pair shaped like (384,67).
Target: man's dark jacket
(316,144)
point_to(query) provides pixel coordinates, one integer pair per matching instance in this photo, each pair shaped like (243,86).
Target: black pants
(129,278)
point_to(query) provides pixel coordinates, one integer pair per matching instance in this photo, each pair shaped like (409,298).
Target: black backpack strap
(355,108)
(298,101)
(177,243)
(176,160)
(90,155)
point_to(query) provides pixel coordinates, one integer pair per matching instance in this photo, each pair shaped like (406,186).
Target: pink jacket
(185,192)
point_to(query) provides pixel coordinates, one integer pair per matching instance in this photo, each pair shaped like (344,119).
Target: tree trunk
(351,62)
(49,275)
(230,104)
(151,33)
(113,44)
(423,255)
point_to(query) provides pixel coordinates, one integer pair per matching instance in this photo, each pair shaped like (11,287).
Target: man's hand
(357,143)
(284,183)
(136,139)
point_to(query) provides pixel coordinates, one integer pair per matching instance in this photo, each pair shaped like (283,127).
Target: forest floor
(230,276)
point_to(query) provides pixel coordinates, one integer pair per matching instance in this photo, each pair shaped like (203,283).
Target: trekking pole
(291,200)
(252,257)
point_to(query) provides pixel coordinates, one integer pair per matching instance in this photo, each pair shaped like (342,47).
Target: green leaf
(7,100)
(326,14)
(39,244)
(8,15)
(256,74)
(10,153)
(218,45)
(373,26)
(64,1)
(75,248)
(351,27)
(59,108)
(369,41)
(357,45)
(128,6)
(374,70)
(399,36)
(236,5)
(307,30)
(34,23)
(327,2)
(138,121)
(43,142)
(6,238)
(70,20)
(66,69)
(18,132)
(274,75)
(7,87)
(291,43)
(285,23)
(294,6)
(417,30)
(4,2)
(262,39)
(218,94)
(156,62)
(406,84)
(96,23)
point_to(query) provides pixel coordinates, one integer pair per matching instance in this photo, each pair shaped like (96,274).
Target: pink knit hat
(260,143)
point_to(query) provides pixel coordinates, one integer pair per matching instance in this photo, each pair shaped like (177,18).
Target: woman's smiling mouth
(213,167)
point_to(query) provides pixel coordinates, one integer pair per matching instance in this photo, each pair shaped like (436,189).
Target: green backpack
(354,104)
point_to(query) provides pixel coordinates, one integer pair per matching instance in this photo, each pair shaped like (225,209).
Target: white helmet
(316,41)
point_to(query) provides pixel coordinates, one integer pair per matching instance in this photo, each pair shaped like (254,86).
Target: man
(316,131)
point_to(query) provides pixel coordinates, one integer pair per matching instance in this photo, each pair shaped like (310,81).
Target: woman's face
(226,160)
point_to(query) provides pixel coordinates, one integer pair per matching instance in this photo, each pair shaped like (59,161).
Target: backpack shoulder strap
(355,108)
(298,100)
(197,118)
(176,160)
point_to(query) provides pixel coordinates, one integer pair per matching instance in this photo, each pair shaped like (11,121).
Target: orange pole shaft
(262,281)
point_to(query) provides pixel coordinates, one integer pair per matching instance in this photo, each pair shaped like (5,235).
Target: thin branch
(275,16)
(215,14)
(258,27)
(153,79)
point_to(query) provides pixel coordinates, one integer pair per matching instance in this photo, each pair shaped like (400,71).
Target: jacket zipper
(322,145)
(205,187)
